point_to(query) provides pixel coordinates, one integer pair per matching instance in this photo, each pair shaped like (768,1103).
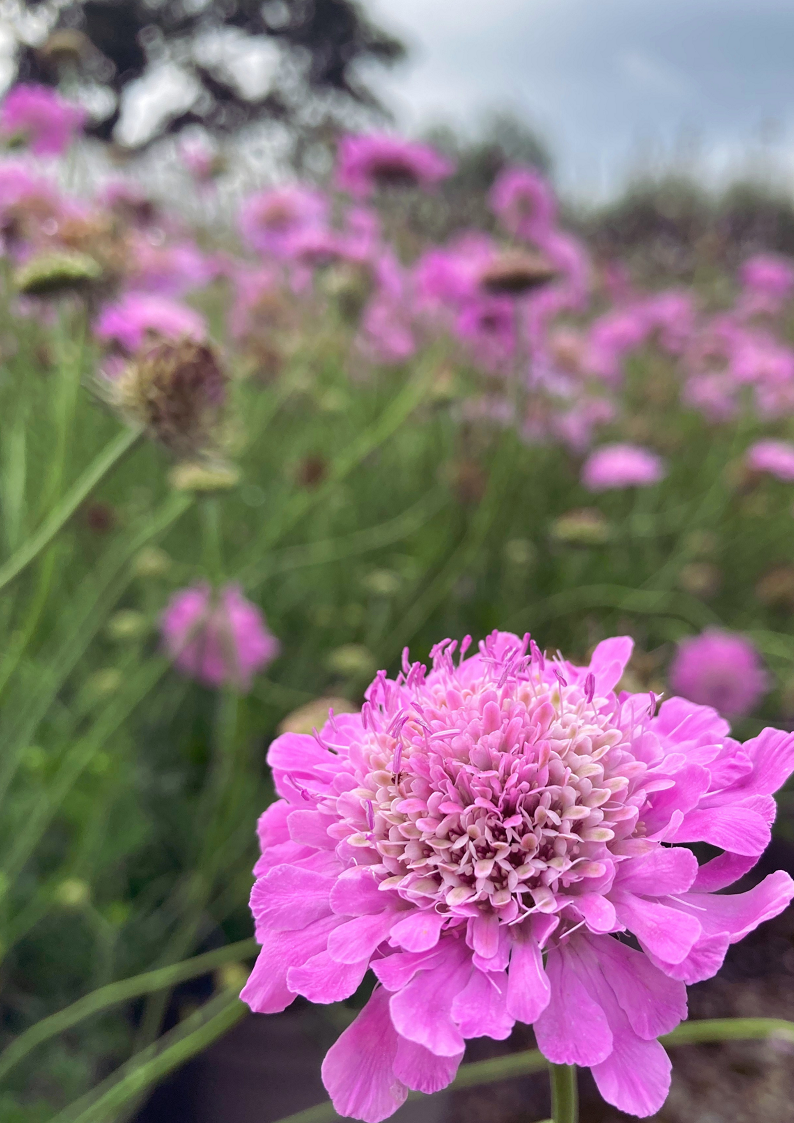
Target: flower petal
(573,1029)
(653,1003)
(609,661)
(288,898)
(665,870)
(422,1070)
(358,938)
(667,932)
(422,1010)
(635,1077)
(267,990)
(419,931)
(480,1009)
(322,979)
(528,987)
(358,1070)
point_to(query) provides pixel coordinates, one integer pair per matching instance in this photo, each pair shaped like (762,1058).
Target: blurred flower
(524,201)
(168,270)
(620,466)
(204,476)
(352,660)
(382,582)
(776,587)
(176,391)
(41,118)
(767,282)
(375,160)
(700,578)
(719,669)
(520,552)
(583,527)
(515,273)
(453,840)
(152,562)
(774,457)
(127,624)
(138,316)
(271,220)
(220,639)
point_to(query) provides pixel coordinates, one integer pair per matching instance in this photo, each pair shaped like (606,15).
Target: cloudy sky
(609,83)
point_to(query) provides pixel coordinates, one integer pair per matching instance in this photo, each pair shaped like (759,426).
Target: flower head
(719,669)
(524,201)
(484,837)
(271,220)
(220,639)
(620,466)
(774,457)
(41,117)
(367,162)
(137,316)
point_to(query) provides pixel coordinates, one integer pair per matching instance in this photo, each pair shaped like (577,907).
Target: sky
(610,84)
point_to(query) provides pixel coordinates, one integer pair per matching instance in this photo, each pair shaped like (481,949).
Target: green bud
(50,274)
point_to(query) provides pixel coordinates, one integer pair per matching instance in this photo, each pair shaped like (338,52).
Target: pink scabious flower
(367,162)
(169,270)
(485,837)
(620,466)
(523,200)
(767,282)
(41,117)
(218,638)
(719,669)
(133,317)
(270,220)
(774,457)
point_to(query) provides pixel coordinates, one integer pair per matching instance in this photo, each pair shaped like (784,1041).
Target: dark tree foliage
(112,43)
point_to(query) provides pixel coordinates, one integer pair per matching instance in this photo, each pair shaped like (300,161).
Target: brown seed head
(176,390)
(516,272)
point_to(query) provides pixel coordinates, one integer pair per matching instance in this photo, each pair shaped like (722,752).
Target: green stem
(564,1094)
(115,993)
(63,511)
(213,551)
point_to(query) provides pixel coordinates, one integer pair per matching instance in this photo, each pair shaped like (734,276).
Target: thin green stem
(115,993)
(63,511)
(211,533)
(564,1094)
(728,1029)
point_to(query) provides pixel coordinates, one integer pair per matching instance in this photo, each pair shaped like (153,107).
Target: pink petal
(559,1031)
(665,870)
(731,827)
(609,661)
(419,931)
(358,938)
(295,756)
(635,1077)
(288,898)
(772,754)
(422,1070)
(667,932)
(358,1070)
(703,962)
(691,783)
(722,871)
(396,971)
(310,828)
(322,979)
(528,988)
(739,913)
(485,935)
(356,893)
(480,1009)
(598,912)
(653,1003)
(267,991)
(422,1010)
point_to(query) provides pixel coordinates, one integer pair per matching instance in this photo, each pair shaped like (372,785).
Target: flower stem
(564,1096)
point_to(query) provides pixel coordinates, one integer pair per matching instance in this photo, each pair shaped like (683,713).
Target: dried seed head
(516,272)
(57,273)
(176,391)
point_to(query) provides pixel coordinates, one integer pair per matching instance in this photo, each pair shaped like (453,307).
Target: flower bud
(176,391)
(57,273)
(515,273)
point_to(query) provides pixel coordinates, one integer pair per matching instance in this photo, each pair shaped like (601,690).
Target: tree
(315,50)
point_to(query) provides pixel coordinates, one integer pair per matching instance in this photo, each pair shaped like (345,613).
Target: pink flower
(481,837)
(170,270)
(524,201)
(621,465)
(137,315)
(767,284)
(219,639)
(775,457)
(719,669)
(45,120)
(367,162)
(270,220)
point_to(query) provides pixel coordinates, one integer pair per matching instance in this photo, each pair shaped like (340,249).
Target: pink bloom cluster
(220,638)
(621,466)
(719,669)
(504,839)
(41,117)
(774,457)
(136,316)
(367,162)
